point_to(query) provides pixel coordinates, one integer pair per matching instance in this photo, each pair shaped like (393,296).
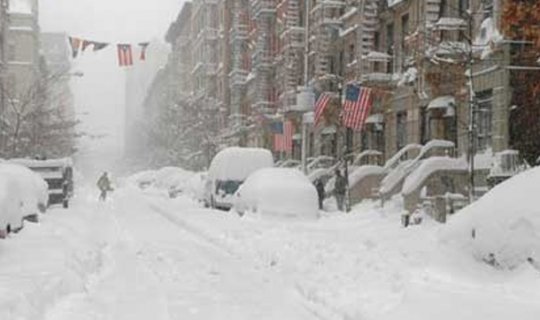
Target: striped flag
(283,142)
(357,105)
(320,106)
(125,55)
(143,46)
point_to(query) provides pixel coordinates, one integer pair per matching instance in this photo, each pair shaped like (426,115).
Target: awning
(442,102)
(329,130)
(375,118)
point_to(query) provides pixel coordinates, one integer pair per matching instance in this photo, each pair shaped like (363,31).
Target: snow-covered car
(229,169)
(11,217)
(58,173)
(31,187)
(503,227)
(277,192)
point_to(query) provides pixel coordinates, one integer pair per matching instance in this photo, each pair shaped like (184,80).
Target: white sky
(100,93)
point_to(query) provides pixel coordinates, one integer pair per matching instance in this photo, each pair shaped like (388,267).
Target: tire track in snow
(310,301)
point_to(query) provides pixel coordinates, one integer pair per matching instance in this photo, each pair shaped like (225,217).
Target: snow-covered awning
(442,102)
(450,24)
(376,56)
(375,118)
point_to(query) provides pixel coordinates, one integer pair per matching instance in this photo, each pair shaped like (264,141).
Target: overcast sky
(100,93)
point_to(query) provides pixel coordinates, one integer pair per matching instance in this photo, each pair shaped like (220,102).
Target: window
(401,129)
(12,52)
(488,8)
(377,41)
(390,46)
(424,125)
(463,7)
(351,52)
(404,27)
(484,117)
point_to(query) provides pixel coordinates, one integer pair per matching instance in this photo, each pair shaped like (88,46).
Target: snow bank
(502,227)
(278,192)
(238,163)
(172,177)
(428,167)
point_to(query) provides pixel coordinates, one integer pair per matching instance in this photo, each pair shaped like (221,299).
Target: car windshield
(228,186)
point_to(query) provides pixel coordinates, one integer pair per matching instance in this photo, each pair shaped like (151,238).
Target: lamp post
(305,90)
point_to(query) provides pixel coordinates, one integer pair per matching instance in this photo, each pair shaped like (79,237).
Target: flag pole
(347,135)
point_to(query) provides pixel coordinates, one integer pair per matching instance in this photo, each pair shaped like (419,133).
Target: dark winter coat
(320,188)
(341,185)
(104,183)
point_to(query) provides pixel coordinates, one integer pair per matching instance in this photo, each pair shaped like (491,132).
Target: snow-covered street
(144,256)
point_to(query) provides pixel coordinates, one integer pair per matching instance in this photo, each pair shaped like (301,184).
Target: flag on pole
(99,46)
(125,55)
(320,106)
(86,44)
(144,46)
(75,46)
(283,141)
(357,105)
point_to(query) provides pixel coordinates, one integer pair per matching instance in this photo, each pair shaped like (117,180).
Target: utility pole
(472,111)
(303,155)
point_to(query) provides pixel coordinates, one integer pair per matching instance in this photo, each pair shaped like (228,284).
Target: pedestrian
(340,190)
(104,185)
(320,192)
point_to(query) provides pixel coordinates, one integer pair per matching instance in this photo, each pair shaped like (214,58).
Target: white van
(229,169)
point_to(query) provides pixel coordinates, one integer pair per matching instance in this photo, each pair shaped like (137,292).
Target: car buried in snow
(277,193)
(228,170)
(58,173)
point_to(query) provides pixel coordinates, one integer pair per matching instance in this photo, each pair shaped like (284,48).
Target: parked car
(58,173)
(30,187)
(278,193)
(229,169)
(11,217)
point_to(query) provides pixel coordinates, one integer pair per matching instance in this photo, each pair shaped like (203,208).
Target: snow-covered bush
(503,227)
(278,193)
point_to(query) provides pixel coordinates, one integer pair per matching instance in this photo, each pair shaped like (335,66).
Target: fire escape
(289,59)
(239,60)
(326,24)
(264,14)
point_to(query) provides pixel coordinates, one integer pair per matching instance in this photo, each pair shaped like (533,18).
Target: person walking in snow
(104,185)
(320,192)
(340,190)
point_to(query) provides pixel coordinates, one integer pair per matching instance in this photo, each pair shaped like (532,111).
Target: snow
(238,163)
(378,56)
(408,77)
(27,190)
(451,23)
(20,6)
(10,211)
(139,256)
(505,222)
(278,193)
(427,168)
(442,102)
(404,168)
(364,171)
(396,158)
(393,3)
(487,37)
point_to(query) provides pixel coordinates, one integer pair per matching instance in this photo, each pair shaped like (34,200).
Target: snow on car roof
(31,163)
(238,163)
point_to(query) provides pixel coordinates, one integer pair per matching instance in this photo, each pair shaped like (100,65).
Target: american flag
(320,106)
(283,142)
(357,105)
(125,55)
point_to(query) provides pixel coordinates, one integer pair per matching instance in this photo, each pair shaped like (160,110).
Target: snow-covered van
(229,169)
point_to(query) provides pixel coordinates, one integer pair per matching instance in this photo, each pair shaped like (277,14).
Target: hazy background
(100,93)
